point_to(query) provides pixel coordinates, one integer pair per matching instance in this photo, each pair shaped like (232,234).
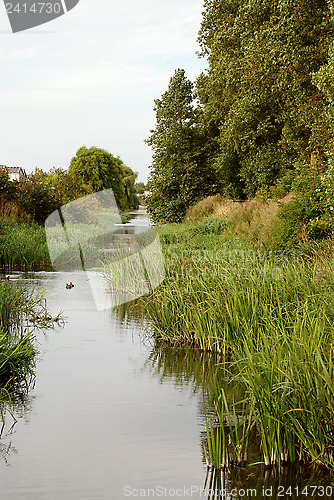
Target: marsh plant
(270,318)
(21,311)
(22,246)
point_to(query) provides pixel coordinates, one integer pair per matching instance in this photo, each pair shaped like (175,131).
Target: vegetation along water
(270,318)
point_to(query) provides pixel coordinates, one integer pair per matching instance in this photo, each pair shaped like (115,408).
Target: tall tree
(36,196)
(179,172)
(258,90)
(67,186)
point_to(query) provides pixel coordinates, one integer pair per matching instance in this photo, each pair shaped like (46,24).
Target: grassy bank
(270,316)
(22,246)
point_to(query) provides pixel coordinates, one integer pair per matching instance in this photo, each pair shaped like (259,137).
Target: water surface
(102,416)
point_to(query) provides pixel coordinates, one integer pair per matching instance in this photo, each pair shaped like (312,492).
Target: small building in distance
(15,173)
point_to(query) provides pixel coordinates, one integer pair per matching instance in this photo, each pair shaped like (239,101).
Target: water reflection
(130,313)
(15,404)
(294,483)
(189,367)
(106,412)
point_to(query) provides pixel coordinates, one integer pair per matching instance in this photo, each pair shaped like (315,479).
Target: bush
(308,214)
(210,225)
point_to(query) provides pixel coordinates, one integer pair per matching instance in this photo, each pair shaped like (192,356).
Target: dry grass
(212,206)
(254,222)
(9,208)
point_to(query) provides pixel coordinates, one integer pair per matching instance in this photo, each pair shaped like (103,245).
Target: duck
(69,285)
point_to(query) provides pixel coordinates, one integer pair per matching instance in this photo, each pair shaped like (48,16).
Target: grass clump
(210,225)
(21,311)
(17,355)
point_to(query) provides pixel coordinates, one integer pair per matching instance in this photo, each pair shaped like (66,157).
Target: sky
(90,78)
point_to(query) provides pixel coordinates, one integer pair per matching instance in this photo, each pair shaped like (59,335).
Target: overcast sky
(90,78)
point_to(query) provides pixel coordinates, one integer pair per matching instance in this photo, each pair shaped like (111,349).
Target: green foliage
(228,172)
(66,186)
(309,214)
(210,225)
(7,188)
(140,187)
(128,180)
(180,172)
(39,194)
(258,91)
(98,170)
(36,196)
(283,185)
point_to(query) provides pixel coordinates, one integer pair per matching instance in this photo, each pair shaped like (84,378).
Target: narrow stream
(105,418)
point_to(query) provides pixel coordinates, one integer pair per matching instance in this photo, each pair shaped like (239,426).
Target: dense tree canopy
(263,105)
(258,89)
(36,196)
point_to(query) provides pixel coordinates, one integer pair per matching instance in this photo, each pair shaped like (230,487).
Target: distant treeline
(40,193)
(261,111)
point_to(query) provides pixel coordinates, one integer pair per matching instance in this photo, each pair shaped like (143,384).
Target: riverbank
(269,315)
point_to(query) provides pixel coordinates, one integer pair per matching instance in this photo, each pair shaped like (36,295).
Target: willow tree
(97,169)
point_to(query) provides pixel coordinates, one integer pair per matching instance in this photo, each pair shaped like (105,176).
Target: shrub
(308,214)
(210,225)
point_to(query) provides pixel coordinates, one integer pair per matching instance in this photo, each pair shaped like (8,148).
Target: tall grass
(21,310)
(270,316)
(22,246)
(20,307)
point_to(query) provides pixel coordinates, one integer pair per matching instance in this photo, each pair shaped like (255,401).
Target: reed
(22,246)
(21,311)
(270,317)
(17,354)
